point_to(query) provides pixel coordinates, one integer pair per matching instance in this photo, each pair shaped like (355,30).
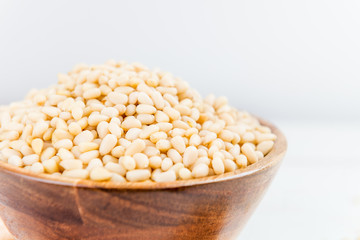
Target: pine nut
(37,168)
(48,153)
(118,151)
(165,127)
(95,118)
(11,135)
(115,168)
(77,113)
(85,136)
(51,111)
(163,145)
(142,161)
(172,113)
(70,164)
(190,156)
(265,137)
(128,162)
(133,134)
(30,159)
(107,144)
(218,166)
(145,109)
(76,151)
(118,98)
(200,170)
(185,174)
(88,146)
(50,166)
(265,146)
(259,154)
(76,173)
(161,117)
(40,128)
(102,129)
(117,178)
(110,112)
(136,146)
(146,132)
(15,161)
(157,99)
(64,154)
(241,161)
(230,165)
(143,98)
(88,156)
(145,118)
(168,176)
(174,155)
(92,93)
(195,140)
(179,144)
(115,129)
(100,174)
(155,162)
(108,158)
(138,175)
(249,152)
(176,168)
(151,151)
(65,143)
(157,136)
(130,122)
(166,164)
(94,163)
(37,145)
(74,128)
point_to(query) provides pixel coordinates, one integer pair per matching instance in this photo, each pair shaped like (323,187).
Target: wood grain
(217,207)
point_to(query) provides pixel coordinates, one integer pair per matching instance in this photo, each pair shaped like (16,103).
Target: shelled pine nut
(122,122)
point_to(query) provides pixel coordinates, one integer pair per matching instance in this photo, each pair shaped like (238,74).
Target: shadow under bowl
(43,207)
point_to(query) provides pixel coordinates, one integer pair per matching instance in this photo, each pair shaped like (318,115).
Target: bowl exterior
(44,211)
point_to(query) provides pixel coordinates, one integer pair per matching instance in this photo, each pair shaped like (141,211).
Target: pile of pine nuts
(123,122)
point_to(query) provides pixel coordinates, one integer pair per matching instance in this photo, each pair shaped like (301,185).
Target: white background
(296,63)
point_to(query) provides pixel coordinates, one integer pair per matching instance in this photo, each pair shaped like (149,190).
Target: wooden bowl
(50,208)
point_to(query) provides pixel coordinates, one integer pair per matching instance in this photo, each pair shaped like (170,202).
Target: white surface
(316,194)
(278,59)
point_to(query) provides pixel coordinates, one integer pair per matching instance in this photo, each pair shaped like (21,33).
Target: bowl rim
(272,158)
